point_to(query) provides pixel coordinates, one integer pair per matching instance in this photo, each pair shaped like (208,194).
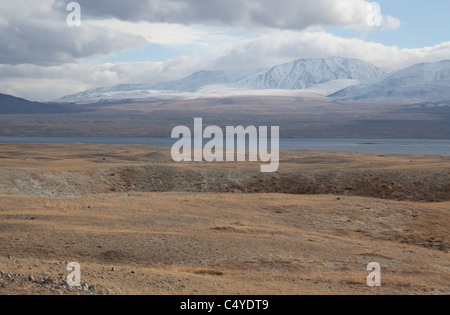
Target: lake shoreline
(370,146)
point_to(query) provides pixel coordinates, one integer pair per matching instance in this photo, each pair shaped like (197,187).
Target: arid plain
(137,222)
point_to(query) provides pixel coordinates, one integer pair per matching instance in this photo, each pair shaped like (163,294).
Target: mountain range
(424,82)
(335,77)
(14,105)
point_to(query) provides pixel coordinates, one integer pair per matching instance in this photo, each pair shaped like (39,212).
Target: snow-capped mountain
(338,78)
(189,84)
(198,80)
(305,73)
(421,82)
(332,74)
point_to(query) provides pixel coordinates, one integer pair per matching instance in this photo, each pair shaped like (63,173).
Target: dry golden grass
(82,169)
(57,206)
(230,244)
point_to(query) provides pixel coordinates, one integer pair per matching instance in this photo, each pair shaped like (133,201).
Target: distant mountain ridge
(15,105)
(198,80)
(335,77)
(425,82)
(296,75)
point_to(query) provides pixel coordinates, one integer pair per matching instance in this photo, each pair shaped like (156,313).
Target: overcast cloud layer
(285,14)
(42,58)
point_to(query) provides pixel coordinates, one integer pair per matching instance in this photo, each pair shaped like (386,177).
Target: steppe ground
(138,223)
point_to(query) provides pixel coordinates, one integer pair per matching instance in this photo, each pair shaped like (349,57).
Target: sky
(42,57)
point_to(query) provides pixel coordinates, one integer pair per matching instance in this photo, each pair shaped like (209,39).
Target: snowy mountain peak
(305,73)
(425,81)
(421,74)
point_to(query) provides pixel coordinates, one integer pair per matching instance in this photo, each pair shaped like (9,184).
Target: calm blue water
(413,147)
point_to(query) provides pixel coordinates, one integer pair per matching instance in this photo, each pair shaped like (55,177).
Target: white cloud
(47,83)
(42,58)
(33,33)
(160,33)
(37,82)
(208,41)
(283,46)
(282,14)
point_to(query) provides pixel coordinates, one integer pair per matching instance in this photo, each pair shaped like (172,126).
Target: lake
(412,147)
